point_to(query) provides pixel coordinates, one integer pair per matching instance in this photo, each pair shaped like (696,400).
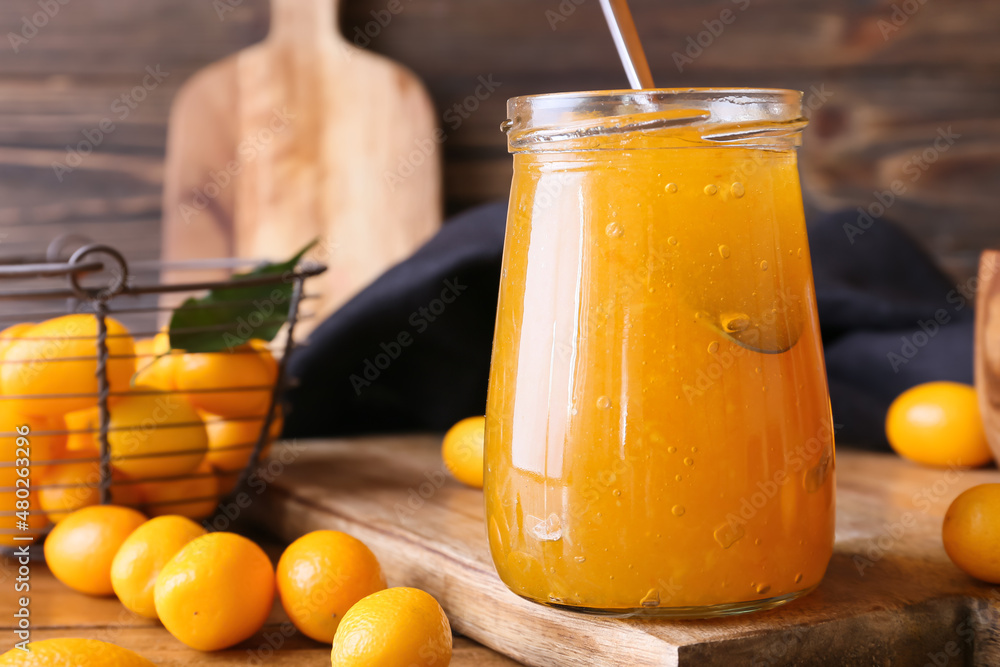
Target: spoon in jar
(627,42)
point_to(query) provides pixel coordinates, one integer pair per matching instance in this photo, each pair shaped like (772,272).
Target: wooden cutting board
(299,137)
(987,346)
(890,597)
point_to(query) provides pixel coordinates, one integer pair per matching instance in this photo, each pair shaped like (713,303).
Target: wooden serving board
(890,597)
(303,136)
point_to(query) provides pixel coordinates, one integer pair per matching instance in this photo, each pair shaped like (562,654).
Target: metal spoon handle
(627,42)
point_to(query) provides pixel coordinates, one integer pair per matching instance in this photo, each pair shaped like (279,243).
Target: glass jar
(658,435)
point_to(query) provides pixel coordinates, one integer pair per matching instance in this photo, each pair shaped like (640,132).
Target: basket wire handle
(103,389)
(119,273)
(100,299)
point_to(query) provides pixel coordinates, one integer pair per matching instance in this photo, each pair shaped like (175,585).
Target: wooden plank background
(884,78)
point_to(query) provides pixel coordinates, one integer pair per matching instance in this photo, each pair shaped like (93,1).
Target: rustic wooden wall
(885,77)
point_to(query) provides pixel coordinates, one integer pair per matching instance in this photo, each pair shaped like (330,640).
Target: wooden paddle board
(303,136)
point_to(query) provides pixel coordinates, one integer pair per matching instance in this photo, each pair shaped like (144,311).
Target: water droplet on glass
(689,461)
(799,253)
(617,493)
(762,588)
(711,190)
(651,599)
(614,230)
(737,189)
(713,347)
(604,402)
(727,535)
(580,559)
(547,530)
(798,577)
(724,251)
(670,188)
(678,510)
(671,449)
(672,240)
(757,542)
(679,478)
(763,265)
(694,449)
(555,599)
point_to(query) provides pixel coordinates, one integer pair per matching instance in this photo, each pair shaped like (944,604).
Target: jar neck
(755,118)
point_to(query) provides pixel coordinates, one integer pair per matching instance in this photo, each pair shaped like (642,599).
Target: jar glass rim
(787,94)
(719,114)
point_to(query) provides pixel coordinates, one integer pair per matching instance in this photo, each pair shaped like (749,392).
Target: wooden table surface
(891,596)
(60,612)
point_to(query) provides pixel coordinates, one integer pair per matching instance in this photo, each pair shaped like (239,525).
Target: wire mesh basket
(102,450)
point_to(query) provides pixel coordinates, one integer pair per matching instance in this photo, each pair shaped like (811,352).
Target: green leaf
(230,316)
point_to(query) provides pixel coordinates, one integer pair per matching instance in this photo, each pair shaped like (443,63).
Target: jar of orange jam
(658,435)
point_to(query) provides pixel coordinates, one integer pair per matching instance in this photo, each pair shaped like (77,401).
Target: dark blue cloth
(411,352)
